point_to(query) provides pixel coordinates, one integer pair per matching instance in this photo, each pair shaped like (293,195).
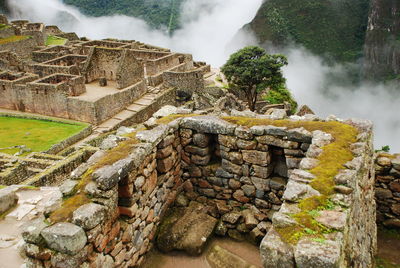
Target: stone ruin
(243,176)
(89,81)
(239,180)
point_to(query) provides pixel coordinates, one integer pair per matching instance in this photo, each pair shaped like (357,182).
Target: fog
(208,30)
(208,25)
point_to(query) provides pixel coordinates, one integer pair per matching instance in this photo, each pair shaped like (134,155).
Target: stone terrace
(265,169)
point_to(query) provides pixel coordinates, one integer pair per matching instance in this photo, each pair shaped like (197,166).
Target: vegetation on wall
(335,29)
(279,96)
(160,14)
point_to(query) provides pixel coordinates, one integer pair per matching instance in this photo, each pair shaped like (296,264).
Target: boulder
(276,253)
(88,216)
(65,237)
(186,229)
(312,254)
(8,199)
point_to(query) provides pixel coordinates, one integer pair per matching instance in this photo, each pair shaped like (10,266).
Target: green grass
(14,38)
(4,26)
(55,41)
(37,135)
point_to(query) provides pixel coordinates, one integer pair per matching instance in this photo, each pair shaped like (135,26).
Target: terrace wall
(177,156)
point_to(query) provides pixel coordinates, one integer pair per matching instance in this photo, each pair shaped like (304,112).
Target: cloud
(325,90)
(208,25)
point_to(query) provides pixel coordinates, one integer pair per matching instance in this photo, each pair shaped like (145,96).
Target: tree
(253,70)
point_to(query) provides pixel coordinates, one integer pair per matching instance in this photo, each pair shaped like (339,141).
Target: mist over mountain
(210,30)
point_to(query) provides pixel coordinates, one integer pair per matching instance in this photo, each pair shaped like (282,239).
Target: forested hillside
(157,13)
(335,29)
(3,6)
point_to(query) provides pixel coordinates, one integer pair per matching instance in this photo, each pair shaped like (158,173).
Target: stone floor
(220,253)
(32,203)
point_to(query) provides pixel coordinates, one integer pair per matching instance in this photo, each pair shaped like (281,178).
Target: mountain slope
(333,28)
(157,13)
(382,45)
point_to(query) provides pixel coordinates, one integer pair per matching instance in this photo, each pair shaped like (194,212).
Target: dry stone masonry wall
(249,175)
(387,189)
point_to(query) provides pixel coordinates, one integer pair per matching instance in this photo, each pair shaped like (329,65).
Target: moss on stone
(14,38)
(64,214)
(331,161)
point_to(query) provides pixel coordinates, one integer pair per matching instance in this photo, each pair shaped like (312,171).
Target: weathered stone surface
(296,191)
(68,186)
(249,190)
(220,257)
(107,177)
(281,220)
(201,140)
(231,217)
(8,199)
(308,163)
(88,216)
(246,144)
(396,163)
(321,138)
(293,162)
(227,141)
(249,220)
(31,231)
(272,140)
(383,193)
(256,157)
(261,172)
(197,150)
(187,230)
(243,133)
(64,237)
(299,135)
(165,165)
(277,183)
(275,253)
(345,176)
(231,168)
(275,131)
(343,189)
(311,254)
(153,136)
(208,124)
(384,161)
(260,184)
(332,219)
(221,229)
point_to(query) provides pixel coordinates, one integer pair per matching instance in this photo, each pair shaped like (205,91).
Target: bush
(281,95)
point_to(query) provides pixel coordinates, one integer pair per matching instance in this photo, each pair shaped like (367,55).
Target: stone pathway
(31,204)
(220,253)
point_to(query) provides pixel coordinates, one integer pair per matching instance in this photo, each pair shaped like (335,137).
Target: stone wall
(387,189)
(230,166)
(189,82)
(117,228)
(130,70)
(23,47)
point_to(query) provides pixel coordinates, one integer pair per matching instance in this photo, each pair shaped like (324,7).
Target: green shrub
(279,96)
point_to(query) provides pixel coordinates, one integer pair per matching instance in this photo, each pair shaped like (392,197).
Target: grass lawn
(55,41)
(37,135)
(14,38)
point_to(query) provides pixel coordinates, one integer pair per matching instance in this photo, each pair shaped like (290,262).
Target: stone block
(243,133)
(88,216)
(197,150)
(276,253)
(8,199)
(312,254)
(208,124)
(261,172)
(246,144)
(164,152)
(201,140)
(230,167)
(300,135)
(272,140)
(296,191)
(227,141)
(31,231)
(200,160)
(65,238)
(275,131)
(165,165)
(256,157)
